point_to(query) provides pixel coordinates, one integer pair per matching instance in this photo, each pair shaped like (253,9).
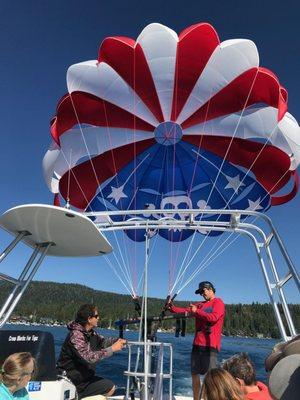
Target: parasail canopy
(173,122)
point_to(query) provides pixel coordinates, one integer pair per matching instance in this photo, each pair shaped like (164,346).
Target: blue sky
(39,40)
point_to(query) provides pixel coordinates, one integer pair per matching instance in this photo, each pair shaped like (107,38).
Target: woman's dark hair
(240,366)
(84,313)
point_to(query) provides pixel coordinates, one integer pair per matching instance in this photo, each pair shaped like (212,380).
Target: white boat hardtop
(71,233)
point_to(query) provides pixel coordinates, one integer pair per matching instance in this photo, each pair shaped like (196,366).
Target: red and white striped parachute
(164,89)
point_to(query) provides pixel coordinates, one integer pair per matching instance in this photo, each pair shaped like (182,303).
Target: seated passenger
(218,384)
(16,372)
(81,351)
(241,368)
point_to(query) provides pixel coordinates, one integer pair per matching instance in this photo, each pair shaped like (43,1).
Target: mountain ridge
(58,302)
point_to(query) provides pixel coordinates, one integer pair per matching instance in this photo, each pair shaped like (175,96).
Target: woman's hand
(118,345)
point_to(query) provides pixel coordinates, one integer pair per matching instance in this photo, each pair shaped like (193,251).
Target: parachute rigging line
(73,174)
(99,186)
(220,168)
(227,203)
(118,276)
(171,287)
(268,192)
(106,259)
(231,140)
(69,172)
(204,264)
(227,151)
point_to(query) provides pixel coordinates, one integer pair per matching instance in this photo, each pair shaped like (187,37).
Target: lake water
(113,367)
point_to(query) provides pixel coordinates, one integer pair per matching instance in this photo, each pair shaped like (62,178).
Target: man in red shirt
(242,369)
(209,317)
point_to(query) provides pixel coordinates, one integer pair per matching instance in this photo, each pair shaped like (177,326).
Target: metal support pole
(9,279)
(281,295)
(23,285)
(129,370)
(158,389)
(147,356)
(275,306)
(19,281)
(13,244)
(171,374)
(268,285)
(286,256)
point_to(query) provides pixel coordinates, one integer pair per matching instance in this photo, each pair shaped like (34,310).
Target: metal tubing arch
(18,282)
(13,301)
(155,225)
(209,225)
(9,279)
(170,222)
(13,244)
(266,278)
(189,224)
(286,256)
(281,294)
(220,226)
(190,211)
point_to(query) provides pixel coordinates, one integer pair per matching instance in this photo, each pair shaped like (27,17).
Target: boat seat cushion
(40,344)
(282,350)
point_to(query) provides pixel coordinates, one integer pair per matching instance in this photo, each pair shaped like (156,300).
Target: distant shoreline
(63,300)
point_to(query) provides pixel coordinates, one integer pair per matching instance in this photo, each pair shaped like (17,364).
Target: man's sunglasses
(203,290)
(95,316)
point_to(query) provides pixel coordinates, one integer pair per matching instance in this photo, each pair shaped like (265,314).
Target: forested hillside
(50,301)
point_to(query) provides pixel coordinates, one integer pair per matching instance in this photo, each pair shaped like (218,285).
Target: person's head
(17,370)
(218,384)
(87,316)
(241,368)
(206,289)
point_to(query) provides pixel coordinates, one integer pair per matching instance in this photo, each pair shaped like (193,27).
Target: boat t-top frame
(261,237)
(62,232)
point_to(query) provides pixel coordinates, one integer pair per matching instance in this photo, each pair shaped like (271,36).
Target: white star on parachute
(117,193)
(254,205)
(234,183)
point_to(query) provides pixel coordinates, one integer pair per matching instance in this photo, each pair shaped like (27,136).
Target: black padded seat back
(282,350)
(40,344)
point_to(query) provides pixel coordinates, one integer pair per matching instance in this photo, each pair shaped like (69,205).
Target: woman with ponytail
(17,370)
